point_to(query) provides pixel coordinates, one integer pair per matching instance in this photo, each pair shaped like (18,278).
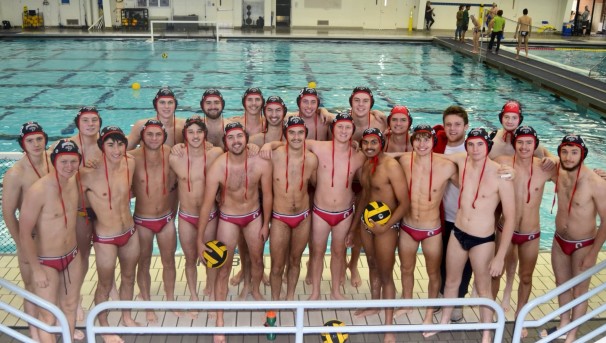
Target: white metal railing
(299,329)
(62,328)
(598,71)
(98,25)
(152,22)
(521,322)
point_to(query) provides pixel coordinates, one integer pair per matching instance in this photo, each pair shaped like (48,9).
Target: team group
(307,175)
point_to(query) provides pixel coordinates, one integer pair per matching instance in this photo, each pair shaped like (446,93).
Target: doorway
(283,13)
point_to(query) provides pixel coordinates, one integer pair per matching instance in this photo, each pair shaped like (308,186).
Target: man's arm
(134,137)
(506,194)
(400,189)
(213,181)
(599,199)
(266,189)
(32,206)
(10,202)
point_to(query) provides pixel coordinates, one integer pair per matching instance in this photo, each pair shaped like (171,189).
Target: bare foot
(429,334)
(79,313)
(506,303)
(212,315)
(177,314)
(219,339)
(402,310)
(356,279)
(314,297)
(112,339)
(78,335)
(390,337)
(524,333)
(236,280)
(257,296)
(193,314)
(265,279)
(366,312)
(130,322)
(151,317)
(337,296)
(245,291)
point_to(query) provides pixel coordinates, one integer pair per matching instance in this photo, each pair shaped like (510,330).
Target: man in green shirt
(497,25)
(465,23)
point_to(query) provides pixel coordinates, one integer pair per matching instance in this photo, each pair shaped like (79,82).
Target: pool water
(575,57)
(49,80)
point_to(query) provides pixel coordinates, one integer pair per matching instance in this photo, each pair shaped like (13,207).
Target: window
(153,3)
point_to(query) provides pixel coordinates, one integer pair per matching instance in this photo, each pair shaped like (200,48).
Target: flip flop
(546,332)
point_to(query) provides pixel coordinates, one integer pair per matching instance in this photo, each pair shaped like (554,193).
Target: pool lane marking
(30,98)
(66,77)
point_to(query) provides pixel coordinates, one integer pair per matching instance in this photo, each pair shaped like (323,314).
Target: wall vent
(72,22)
(322,22)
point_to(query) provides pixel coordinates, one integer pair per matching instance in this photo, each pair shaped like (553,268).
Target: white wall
(54,13)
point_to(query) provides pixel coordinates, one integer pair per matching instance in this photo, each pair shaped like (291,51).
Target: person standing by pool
(154,186)
(523,29)
(253,103)
(17,180)
(165,104)
(585,21)
(240,178)
(429,16)
(427,175)
(581,196)
(316,118)
(107,188)
(399,122)
(491,13)
(528,185)
(476,34)
(294,170)
(474,229)
(497,26)
(190,170)
(465,23)
(274,112)
(382,180)
(212,105)
(47,237)
(459,23)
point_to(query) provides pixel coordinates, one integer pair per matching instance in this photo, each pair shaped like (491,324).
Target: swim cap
(361,89)
(479,133)
(251,91)
(230,127)
(373,131)
(400,109)
(424,128)
(154,122)
(112,132)
(342,116)
(292,122)
(86,110)
(274,99)
(164,92)
(524,131)
(65,147)
(209,93)
(197,121)
(30,128)
(307,92)
(512,106)
(574,140)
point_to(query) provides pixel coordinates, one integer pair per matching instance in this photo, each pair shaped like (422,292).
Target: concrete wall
(55,13)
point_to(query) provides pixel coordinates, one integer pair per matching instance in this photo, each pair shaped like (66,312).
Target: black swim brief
(468,241)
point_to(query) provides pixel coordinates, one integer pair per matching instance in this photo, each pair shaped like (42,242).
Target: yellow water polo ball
(164,55)
(216,257)
(376,211)
(136,86)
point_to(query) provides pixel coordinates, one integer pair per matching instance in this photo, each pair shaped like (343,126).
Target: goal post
(213,24)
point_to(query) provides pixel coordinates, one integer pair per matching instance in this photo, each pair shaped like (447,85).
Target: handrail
(521,322)
(152,22)
(595,69)
(300,306)
(96,24)
(62,328)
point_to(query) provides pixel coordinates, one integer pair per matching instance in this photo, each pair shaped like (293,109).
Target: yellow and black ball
(334,337)
(376,211)
(216,257)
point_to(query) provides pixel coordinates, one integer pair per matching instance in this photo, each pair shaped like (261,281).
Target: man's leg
(562,273)
(526,44)
(26,276)
(84,235)
(528,254)
(511,264)
(128,255)
(69,295)
(368,242)
(319,237)
(480,257)
(279,238)
(167,244)
(48,293)
(407,252)
(354,258)
(298,241)
(580,289)
(227,233)
(385,248)
(146,238)
(432,251)
(211,273)
(337,258)
(187,237)
(255,250)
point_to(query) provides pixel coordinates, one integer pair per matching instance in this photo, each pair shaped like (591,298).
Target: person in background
(465,23)
(476,34)
(459,29)
(522,34)
(497,25)
(585,21)
(429,16)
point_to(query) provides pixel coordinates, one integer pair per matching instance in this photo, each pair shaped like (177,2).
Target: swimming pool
(48,80)
(582,58)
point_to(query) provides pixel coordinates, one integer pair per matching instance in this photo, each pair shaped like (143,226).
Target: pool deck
(543,282)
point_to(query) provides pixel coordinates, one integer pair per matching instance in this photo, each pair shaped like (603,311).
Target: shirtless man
(274,112)
(107,188)
(361,101)
(190,169)
(294,169)
(399,122)
(581,197)
(253,103)
(528,188)
(153,185)
(212,105)
(17,180)
(474,230)
(47,237)
(427,174)
(382,180)
(523,29)
(240,178)
(333,202)
(316,118)
(165,105)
